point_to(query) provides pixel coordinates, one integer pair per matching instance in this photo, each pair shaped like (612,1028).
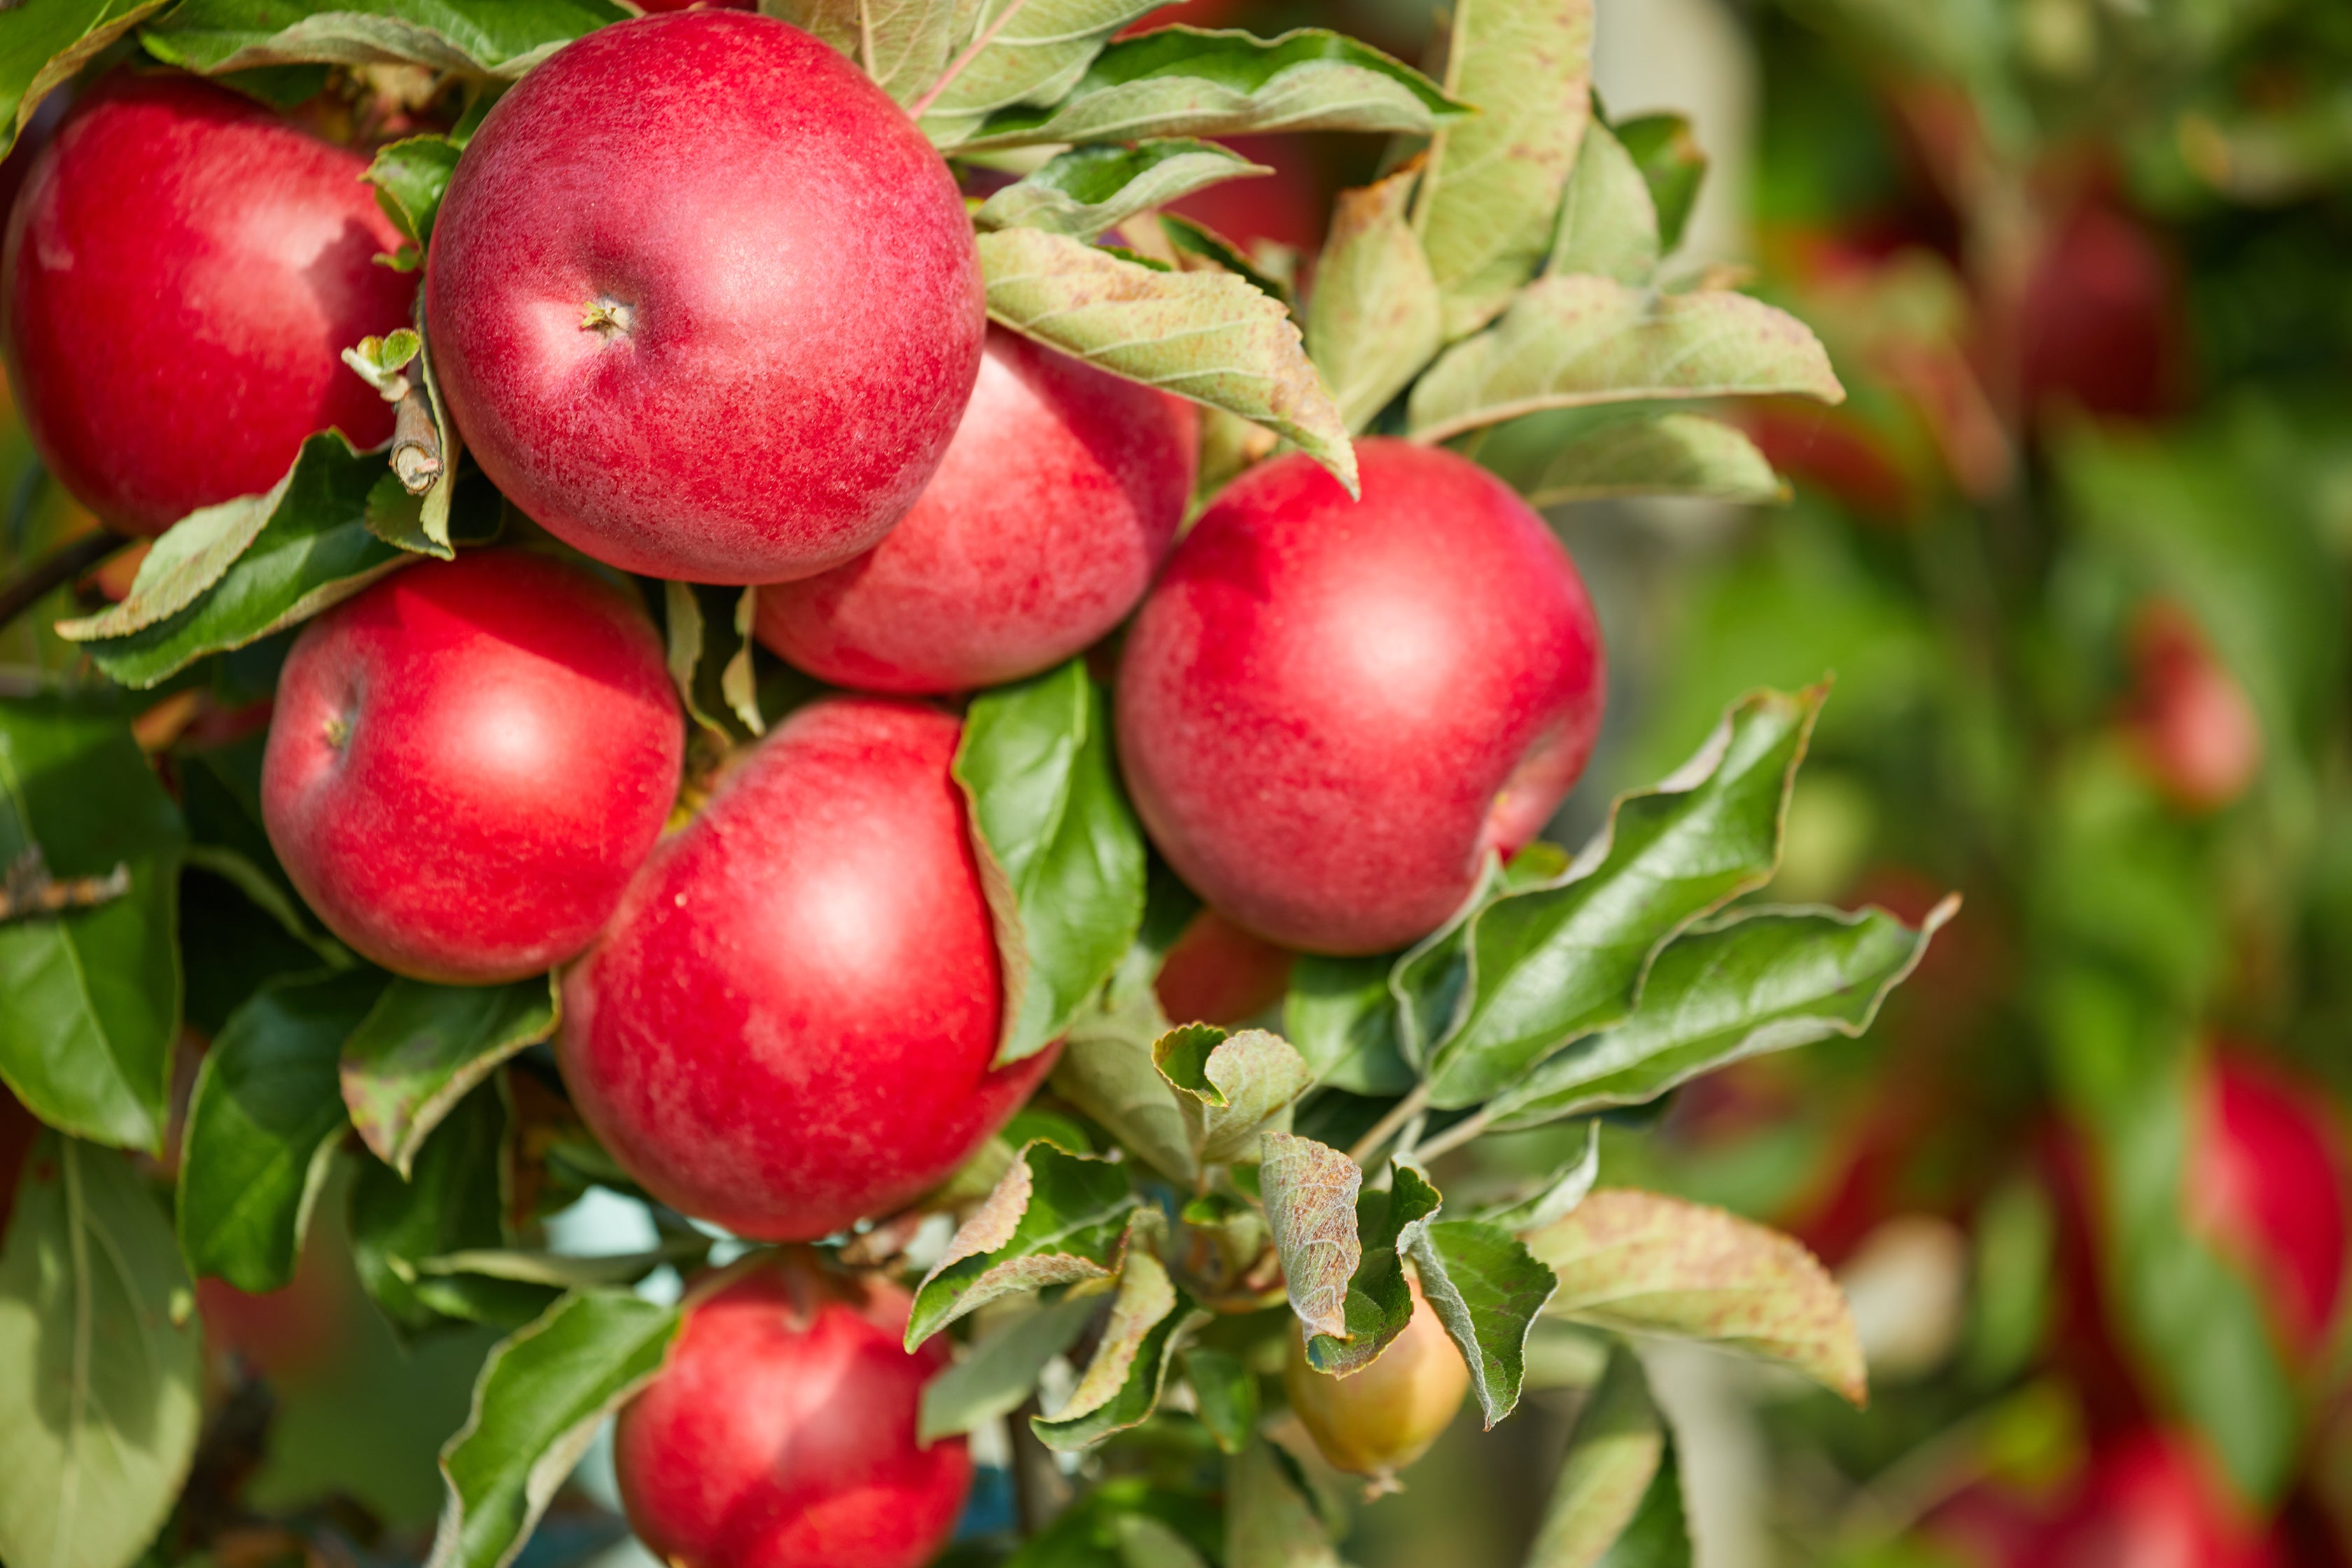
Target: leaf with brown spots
(1054,1220)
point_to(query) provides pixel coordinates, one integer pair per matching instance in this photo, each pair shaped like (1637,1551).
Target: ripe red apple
(467,761)
(1218,974)
(789,1024)
(1052,508)
(182,271)
(2101,323)
(782,1432)
(2267,1185)
(2194,726)
(1330,712)
(2155,1498)
(705,303)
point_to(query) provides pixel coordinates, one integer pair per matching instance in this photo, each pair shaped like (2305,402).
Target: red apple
(2194,726)
(782,1432)
(705,302)
(18,1133)
(1056,501)
(2155,1498)
(2267,1185)
(2100,325)
(1330,712)
(467,761)
(789,1024)
(1218,974)
(182,271)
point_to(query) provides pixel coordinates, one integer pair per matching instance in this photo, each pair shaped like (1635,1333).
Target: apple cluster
(705,306)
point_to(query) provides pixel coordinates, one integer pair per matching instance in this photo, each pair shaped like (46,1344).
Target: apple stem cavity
(607,317)
(416,442)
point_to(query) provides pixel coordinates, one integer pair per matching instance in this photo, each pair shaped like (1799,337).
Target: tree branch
(60,567)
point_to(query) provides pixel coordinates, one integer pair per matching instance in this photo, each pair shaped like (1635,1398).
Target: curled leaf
(1054,1220)
(1229,1085)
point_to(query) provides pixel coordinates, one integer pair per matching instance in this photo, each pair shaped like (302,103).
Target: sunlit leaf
(1618,1496)
(1373,320)
(1054,1219)
(1019,53)
(1088,189)
(423,1048)
(1229,1085)
(471,38)
(1658,455)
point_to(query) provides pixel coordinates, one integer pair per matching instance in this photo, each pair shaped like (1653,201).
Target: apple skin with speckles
(704,303)
(184,269)
(467,762)
(1332,712)
(1056,502)
(782,1431)
(789,1024)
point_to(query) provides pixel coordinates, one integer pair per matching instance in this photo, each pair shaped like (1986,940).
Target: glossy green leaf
(1658,455)
(1554,1197)
(1086,190)
(1061,853)
(1373,320)
(310,548)
(42,46)
(1054,1219)
(1106,1071)
(424,1047)
(998,1372)
(1551,963)
(1184,82)
(100,1363)
(410,177)
(1339,1015)
(453,1200)
(1209,336)
(1491,190)
(1566,342)
(1427,978)
(1224,1395)
(1486,1288)
(471,38)
(537,1406)
(1759,980)
(1229,1085)
(1608,222)
(1667,154)
(1618,1501)
(90,998)
(1647,1264)
(1016,54)
(263,1124)
(1270,1518)
(1149,1322)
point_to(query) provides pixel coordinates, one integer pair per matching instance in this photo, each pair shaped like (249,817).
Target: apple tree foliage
(1184,1200)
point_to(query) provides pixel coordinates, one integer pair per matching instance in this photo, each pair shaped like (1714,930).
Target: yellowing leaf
(1373,320)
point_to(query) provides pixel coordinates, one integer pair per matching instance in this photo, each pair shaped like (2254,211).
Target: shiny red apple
(182,271)
(781,1433)
(1052,508)
(705,303)
(789,1024)
(1331,712)
(468,761)
(2266,1185)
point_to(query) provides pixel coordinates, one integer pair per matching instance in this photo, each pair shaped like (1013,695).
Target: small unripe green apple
(1375,1421)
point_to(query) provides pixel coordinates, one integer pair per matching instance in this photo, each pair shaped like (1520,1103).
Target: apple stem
(1454,1137)
(1402,1112)
(416,442)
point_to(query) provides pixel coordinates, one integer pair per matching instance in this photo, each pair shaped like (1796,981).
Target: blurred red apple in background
(2101,325)
(2266,1185)
(1217,973)
(2195,728)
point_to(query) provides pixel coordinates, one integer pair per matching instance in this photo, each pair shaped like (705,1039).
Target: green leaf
(410,177)
(710,657)
(1054,1219)
(1106,1071)
(1270,1521)
(263,1124)
(89,999)
(1224,1396)
(1608,222)
(1492,187)
(1551,963)
(1618,1501)
(1566,342)
(537,1406)
(1556,1196)
(1183,81)
(1229,1085)
(1086,190)
(1658,455)
(455,1200)
(1427,979)
(423,1048)
(902,44)
(997,1373)
(1761,979)
(1374,318)
(301,548)
(1342,1247)
(1061,854)
(1646,1264)
(1150,1321)
(1672,165)
(100,1363)
(43,46)
(1209,336)
(471,38)
(1017,53)
(1188,238)
(1341,1017)
(1486,1288)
